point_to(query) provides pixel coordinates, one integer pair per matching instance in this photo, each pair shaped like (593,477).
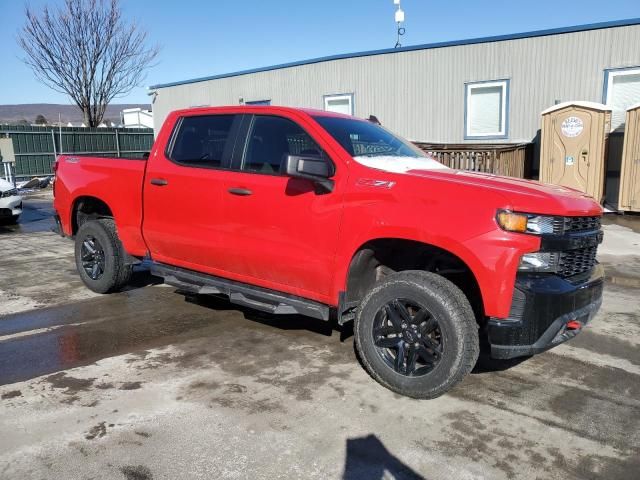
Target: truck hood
(522,195)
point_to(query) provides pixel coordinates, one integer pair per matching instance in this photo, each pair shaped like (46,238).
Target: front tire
(100,257)
(416,334)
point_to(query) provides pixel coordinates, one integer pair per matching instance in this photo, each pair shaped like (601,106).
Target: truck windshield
(375,146)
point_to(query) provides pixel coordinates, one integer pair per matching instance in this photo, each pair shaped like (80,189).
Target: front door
(280,232)
(183,192)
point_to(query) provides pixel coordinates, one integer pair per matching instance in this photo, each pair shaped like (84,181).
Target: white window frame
(504,114)
(339,96)
(609,75)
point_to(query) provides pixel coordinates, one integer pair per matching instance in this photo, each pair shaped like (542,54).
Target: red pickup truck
(296,211)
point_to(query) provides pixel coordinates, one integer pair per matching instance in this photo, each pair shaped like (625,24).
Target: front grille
(575,262)
(562,225)
(9,193)
(553,224)
(581,224)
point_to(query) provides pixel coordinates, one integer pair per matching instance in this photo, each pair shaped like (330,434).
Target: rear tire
(416,334)
(100,257)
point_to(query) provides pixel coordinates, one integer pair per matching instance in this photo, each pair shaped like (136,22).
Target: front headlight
(540,262)
(9,193)
(528,223)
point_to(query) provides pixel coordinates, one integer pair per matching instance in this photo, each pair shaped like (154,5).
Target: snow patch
(12,303)
(394,164)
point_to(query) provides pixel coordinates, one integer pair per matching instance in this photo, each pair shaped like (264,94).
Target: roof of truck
(263,108)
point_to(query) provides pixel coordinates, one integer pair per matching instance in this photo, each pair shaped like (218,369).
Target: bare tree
(41,120)
(85,49)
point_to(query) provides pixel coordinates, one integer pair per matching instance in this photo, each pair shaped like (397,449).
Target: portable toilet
(573,146)
(629,199)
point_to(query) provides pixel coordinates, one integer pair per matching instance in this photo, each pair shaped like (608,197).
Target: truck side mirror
(312,167)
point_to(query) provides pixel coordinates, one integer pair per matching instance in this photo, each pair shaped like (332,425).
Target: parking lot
(152,383)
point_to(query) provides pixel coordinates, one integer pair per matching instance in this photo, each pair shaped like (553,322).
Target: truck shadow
(485,363)
(283,322)
(142,278)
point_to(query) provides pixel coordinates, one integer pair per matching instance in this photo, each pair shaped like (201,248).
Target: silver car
(10,202)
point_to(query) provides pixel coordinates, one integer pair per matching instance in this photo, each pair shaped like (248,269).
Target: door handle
(159,182)
(240,191)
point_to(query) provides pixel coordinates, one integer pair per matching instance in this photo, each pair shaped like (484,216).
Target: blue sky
(207,37)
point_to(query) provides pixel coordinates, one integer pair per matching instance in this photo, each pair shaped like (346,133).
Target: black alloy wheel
(100,257)
(416,333)
(408,337)
(93,258)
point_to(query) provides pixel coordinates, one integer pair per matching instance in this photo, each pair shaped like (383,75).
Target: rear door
(279,232)
(183,192)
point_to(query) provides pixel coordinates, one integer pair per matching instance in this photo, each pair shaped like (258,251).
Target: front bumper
(546,311)
(11,206)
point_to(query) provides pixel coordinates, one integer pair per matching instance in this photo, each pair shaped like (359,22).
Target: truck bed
(116,181)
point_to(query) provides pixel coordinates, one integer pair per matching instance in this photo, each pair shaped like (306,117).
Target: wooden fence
(512,160)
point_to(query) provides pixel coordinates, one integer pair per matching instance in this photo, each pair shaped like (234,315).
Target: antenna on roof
(399,22)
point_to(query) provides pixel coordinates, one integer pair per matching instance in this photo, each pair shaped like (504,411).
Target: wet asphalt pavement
(150,383)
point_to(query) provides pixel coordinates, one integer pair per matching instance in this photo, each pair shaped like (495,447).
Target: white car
(10,202)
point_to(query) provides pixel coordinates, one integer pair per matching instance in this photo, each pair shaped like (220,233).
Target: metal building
(470,91)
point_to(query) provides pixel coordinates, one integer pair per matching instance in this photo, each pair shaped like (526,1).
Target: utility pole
(399,23)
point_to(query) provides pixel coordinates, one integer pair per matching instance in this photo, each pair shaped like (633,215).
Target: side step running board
(240,293)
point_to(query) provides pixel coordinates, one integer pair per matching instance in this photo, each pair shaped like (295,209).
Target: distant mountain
(50,111)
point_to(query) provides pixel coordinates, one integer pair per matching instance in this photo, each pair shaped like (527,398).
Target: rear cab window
(204,141)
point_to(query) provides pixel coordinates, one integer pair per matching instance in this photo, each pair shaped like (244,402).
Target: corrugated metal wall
(420,94)
(35,147)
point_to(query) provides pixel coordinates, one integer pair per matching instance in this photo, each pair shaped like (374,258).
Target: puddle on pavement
(115,324)
(37,216)
(129,322)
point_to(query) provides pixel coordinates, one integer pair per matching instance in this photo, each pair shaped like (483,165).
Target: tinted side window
(203,141)
(271,139)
